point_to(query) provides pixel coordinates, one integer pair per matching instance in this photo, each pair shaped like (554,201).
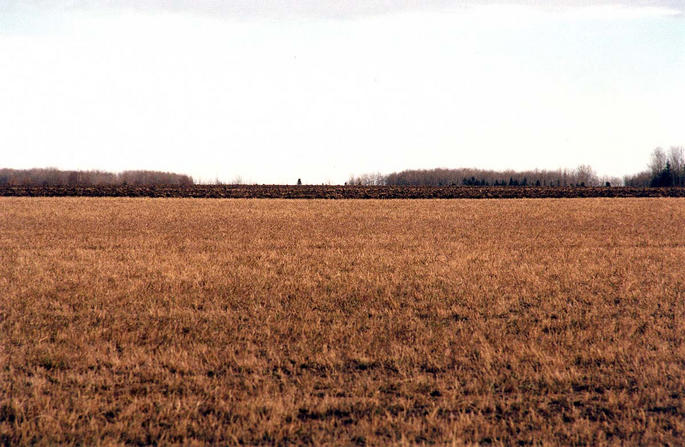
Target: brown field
(144,321)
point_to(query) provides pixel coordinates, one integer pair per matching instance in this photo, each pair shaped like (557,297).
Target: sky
(275,90)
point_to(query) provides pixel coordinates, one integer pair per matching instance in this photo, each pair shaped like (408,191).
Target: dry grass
(271,322)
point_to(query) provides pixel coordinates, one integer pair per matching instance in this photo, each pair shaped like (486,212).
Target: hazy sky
(321,89)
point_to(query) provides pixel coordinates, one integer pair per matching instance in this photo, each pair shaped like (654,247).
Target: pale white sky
(276,90)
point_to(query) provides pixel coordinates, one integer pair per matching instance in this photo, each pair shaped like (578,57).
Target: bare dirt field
(515,322)
(338,191)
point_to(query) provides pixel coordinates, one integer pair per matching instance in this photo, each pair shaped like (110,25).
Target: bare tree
(676,158)
(585,175)
(657,162)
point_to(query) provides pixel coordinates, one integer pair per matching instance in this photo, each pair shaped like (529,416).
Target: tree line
(663,170)
(56,177)
(584,175)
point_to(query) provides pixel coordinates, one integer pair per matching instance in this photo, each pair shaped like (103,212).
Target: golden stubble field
(143,321)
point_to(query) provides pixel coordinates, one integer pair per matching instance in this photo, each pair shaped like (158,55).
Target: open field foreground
(143,321)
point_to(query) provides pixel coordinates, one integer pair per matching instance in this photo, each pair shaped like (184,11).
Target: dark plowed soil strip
(338,192)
